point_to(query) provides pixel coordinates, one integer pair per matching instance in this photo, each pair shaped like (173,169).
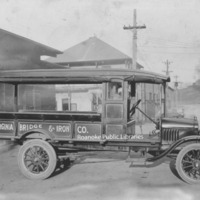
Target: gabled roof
(91,52)
(92,49)
(11,43)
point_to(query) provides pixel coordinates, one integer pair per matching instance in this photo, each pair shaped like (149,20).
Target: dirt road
(95,176)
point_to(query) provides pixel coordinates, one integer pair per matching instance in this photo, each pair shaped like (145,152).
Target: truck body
(49,111)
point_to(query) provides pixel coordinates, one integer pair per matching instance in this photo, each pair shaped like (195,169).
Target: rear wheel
(37,159)
(188,163)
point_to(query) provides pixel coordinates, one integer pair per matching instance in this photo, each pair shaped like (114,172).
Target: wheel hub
(196,164)
(36,159)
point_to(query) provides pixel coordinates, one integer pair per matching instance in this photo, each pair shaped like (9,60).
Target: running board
(142,162)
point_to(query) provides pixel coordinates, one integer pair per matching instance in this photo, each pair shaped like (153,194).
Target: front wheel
(188,163)
(37,159)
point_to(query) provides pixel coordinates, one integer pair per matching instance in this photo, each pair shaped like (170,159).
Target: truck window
(6,97)
(114,91)
(60,97)
(150,102)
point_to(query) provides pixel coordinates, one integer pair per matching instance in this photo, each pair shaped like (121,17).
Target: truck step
(136,162)
(142,162)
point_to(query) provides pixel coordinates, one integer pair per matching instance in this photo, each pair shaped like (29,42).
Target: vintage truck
(49,112)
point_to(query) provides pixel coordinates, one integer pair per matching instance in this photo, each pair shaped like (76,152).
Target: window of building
(73,107)
(65,104)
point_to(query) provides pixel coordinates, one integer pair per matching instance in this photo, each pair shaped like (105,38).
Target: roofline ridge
(30,40)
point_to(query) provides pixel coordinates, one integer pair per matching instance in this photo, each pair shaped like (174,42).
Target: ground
(94,176)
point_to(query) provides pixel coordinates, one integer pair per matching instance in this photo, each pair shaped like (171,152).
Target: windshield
(151,96)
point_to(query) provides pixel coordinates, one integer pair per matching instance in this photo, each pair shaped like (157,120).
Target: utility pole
(176,81)
(167,63)
(134,30)
(176,84)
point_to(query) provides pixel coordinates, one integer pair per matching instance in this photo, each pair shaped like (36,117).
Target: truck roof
(78,75)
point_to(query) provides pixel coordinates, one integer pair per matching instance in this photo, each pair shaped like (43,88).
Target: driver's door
(115,105)
(131,98)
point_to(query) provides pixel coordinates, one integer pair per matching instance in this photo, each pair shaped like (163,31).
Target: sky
(172,28)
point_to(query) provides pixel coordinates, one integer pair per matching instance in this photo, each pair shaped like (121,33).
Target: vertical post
(70,97)
(167,63)
(176,83)
(134,56)
(134,43)
(145,100)
(134,59)
(165,99)
(176,97)
(4,96)
(134,40)
(16,98)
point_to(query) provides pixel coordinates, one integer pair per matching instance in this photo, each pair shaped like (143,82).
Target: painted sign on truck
(7,128)
(58,129)
(88,131)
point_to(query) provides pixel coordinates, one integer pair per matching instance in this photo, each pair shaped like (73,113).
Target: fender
(46,135)
(192,138)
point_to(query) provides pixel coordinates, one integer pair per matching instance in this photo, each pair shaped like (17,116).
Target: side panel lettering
(87,131)
(58,129)
(7,128)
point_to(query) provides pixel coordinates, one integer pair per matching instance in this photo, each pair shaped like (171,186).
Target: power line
(168,52)
(169,47)
(173,42)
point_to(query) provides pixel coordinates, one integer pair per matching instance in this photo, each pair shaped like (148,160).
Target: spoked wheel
(188,163)
(37,159)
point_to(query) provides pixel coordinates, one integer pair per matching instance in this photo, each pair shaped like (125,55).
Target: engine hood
(179,123)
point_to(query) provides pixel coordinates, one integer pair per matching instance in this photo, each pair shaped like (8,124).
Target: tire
(37,159)
(188,164)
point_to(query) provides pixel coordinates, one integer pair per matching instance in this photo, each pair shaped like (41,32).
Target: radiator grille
(170,134)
